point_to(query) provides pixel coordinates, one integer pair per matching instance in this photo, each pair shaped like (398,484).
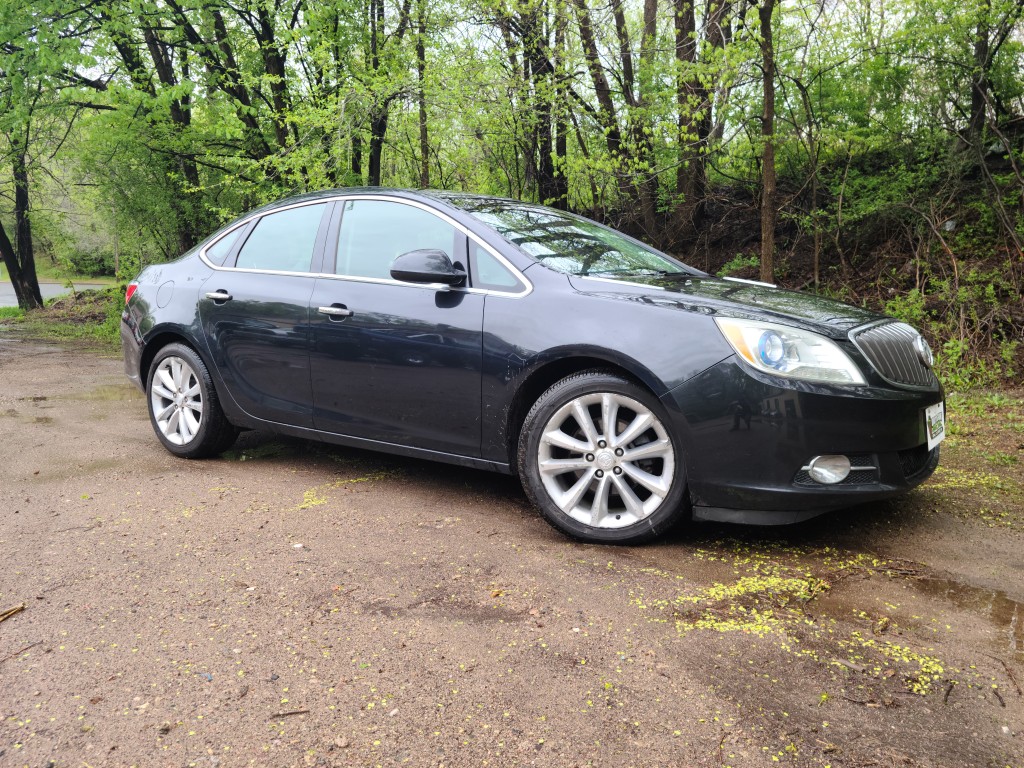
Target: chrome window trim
(527,285)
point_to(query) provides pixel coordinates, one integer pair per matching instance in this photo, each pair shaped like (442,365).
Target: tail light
(130,291)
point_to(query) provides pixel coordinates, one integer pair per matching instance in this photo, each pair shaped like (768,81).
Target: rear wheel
(597,458)
(183,405)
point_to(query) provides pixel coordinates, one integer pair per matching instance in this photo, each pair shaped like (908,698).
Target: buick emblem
(924,352)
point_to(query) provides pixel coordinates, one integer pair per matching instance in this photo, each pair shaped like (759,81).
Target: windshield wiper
(640,272)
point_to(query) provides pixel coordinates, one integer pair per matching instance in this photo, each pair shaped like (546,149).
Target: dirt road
(299,604)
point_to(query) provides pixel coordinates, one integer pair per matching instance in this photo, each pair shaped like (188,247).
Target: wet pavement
(49,290)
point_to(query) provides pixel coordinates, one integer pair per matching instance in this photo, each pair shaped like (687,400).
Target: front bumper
(747,437)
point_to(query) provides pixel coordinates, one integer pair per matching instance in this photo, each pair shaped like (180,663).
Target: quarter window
(219,251)
(283,241)
(374,232)
(487,272)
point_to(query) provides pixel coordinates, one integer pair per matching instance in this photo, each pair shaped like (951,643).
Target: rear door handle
(335,310)
(219,295)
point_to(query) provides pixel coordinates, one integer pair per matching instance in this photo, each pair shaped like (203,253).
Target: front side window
(283,241)
(374,232)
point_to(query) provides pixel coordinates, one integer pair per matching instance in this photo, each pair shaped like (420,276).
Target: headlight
(786,351)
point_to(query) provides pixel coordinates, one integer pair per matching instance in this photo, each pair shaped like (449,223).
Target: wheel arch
(160,339)
(547,374)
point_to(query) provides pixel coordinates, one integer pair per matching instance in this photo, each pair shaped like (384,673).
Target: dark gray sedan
(624,388)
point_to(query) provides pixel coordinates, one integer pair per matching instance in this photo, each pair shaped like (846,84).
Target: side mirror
(427,265)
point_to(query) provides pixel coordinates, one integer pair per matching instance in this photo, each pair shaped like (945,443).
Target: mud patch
(1005,613)
(126,392)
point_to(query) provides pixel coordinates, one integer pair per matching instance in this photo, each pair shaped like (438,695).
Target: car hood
(733,298)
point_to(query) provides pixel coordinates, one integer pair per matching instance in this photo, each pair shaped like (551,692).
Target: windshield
(567,243)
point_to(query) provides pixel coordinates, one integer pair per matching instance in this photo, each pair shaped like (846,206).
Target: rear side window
(283,241)
(219,251)
(374,232)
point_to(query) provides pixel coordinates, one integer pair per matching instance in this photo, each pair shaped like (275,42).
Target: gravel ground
(300,604)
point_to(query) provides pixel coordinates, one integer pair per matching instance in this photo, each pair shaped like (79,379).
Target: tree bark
(357,157)
(560,196)
(602,90)
(421,70)
(19,257)
(378,132)
(768,211)
(694,102)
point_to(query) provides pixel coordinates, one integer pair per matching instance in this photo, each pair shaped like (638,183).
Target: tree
(37,49)
(769,213)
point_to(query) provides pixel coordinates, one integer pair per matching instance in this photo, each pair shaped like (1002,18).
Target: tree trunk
(694,102)
(539,70)
(560,196)
(768,212)
(357,157)
(378,132)
(979,78)
(690,171)
(421,69)
(23,278)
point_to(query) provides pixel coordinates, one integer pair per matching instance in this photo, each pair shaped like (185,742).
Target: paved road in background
(49,290)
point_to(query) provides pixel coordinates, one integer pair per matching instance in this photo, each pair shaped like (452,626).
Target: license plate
(935,424)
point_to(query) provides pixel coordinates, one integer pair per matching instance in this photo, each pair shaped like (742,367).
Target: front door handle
(219,296)
(335,311)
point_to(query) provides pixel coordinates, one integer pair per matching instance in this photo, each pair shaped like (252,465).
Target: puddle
(1004,612)
(267,450)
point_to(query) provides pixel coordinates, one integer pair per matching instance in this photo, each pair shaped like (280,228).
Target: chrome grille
(889,347)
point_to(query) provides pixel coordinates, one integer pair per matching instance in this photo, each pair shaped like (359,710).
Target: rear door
(255,314)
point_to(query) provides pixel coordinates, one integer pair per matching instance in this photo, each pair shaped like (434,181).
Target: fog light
(829,469)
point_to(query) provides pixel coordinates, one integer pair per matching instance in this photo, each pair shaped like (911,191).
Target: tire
(620,485)
(183,405)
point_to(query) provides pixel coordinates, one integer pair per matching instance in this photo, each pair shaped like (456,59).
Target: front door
(390,361)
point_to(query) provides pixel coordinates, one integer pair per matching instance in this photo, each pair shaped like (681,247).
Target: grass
(48,272)
(93,316)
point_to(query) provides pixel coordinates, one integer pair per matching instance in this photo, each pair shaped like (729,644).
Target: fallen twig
(1009,674)
(290,713)
(18,653)
(858,701)
(949,690)
(1000,697)
(11,611)
(79,528)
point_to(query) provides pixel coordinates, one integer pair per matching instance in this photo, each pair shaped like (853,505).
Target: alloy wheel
(606,460)
(176,399)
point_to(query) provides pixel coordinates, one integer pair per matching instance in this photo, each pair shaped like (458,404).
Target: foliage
(739,263)
(897,137)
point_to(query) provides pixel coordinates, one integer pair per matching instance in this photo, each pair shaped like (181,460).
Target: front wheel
(596,457)
(183,405)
